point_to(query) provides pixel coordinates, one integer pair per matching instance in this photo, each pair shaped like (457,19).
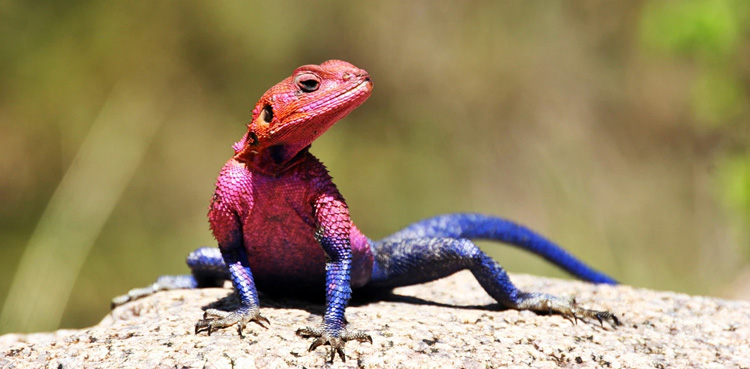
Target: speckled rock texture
(450,323)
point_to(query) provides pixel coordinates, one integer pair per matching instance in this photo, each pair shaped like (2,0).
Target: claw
(336,341)
(318,342)
(610,318)
(601,316)
(340,350)
(214,319)
(567,307)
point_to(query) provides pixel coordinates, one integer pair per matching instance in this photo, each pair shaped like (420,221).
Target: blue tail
(478,226)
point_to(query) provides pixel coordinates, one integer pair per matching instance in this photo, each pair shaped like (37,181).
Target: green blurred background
(619,129)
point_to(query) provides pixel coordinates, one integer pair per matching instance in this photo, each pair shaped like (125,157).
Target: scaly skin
(282,225)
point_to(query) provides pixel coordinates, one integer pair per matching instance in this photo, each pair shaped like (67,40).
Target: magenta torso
(278,225)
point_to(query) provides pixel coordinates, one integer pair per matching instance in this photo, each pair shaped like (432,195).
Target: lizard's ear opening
(263,120)
(267,113)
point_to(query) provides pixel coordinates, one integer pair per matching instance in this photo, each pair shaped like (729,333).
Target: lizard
(282,225)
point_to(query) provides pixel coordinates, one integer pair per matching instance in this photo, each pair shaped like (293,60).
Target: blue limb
(338,281)
(338,291)
(237,266)
(478,226)
(208,267)
(208,270)
(407,261)
(333,232)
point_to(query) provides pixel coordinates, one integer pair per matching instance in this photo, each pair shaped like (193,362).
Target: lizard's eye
(307,82)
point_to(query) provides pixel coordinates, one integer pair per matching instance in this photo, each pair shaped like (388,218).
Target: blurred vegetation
(620,130)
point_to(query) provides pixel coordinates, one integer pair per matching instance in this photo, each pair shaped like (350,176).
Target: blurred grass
(620,130)
(81,204)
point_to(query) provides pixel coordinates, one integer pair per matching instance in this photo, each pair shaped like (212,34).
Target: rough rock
(450,323)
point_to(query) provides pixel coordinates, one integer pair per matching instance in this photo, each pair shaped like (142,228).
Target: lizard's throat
(272,160)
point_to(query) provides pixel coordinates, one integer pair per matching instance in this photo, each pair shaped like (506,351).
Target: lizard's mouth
(355,95)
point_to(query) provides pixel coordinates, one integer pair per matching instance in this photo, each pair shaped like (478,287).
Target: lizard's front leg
(332,233)
(235,258)
(225,220)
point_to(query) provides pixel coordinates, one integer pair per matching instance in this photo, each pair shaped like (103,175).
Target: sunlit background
(619,129)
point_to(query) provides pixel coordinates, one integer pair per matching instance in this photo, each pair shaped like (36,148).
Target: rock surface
(449,323)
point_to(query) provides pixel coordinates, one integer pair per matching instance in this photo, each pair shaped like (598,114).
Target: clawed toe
(336,341)
(603,316)
(567,307)
(135,294)
(577,313)
(214,319)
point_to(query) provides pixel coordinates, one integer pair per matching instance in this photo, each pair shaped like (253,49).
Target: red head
(297,110)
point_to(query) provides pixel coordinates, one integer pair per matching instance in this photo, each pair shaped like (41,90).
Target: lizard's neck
(273,160)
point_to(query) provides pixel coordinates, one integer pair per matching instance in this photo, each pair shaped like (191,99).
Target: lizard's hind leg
(208,270)
(412,261)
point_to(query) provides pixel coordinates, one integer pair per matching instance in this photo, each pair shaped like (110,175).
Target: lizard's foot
(214,319)
(335,339)
(567,307)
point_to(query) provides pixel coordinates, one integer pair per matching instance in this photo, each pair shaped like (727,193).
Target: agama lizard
(282,225)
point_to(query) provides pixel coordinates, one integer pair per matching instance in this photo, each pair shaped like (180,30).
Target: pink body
(271,188)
